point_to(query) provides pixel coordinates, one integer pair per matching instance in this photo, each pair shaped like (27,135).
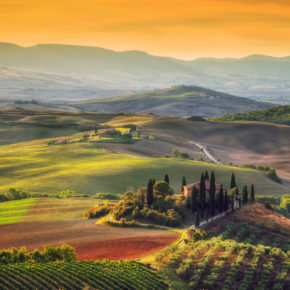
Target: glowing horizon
(186,30)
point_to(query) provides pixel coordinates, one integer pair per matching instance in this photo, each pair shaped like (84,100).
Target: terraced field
(101,275)
(247,249)
(217,264)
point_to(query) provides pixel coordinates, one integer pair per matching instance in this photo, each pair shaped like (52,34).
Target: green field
(45,209)
(101,275)
(19,125)
(87,168)
(15,211)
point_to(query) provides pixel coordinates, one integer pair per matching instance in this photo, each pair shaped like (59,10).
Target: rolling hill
(175,101)
(53,72)
(278,115)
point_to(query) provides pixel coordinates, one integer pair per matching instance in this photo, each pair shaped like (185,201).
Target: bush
(99,211)
(65,253)
(268,205)
(107,196)
(273,175)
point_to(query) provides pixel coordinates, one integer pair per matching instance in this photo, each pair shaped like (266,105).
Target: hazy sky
(180,28)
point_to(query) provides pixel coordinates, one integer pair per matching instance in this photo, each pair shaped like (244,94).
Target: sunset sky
(181,28)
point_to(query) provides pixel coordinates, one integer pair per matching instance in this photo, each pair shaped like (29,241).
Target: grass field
(19,125)
(15,211)
(44,209)
(87,168)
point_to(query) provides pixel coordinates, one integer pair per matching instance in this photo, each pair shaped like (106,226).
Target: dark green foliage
(196,119)
(149,193)
(221,199)
(226,202)
(245,194)
(233,181)
(279,115)
(166,178)
(202,191)
(179,154)
(194,202)
(206,176)
(80,275)
(273,175)
(107,196)
(99,211)
(197,219)
(183,183)
(162,188)
(268,205)
(212,201)
(252,193)
(64,253)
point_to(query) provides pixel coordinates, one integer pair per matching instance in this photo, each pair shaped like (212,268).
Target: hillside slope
(67,72)
(237,142)
(279,115)
(175,101)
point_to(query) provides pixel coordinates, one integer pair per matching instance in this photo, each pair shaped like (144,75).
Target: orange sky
(180,28)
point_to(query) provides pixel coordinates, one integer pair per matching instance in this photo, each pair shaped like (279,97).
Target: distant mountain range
(58,73)
(176,101)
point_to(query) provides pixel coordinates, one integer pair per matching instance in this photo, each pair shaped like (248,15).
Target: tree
(212,204)
(183,183)
(197,219)
(221,199)
(245,194)
(194,201)
(149,193)
(153,181)
(226,202)
(233,204)
(233,181)
(162,189)
(166,178)
(202,192)
(252,193)
(206,176)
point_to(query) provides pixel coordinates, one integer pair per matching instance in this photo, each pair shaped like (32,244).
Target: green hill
(88,167)
(247,249)
(179,101)
(279,115)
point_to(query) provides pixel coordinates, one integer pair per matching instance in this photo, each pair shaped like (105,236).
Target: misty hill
(279,115)
(67,72)
(175,101)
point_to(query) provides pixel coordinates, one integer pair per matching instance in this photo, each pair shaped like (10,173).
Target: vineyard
(218,264)
(79,275)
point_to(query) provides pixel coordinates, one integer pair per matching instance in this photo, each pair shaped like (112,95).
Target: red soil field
(91,241)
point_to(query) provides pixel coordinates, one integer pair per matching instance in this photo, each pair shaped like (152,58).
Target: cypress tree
(183,183)
(166,178)
(149,193)
(252,193)
(153,181)
(197,219)
(221,199)
(226,202)
(233,181)
(206,176)
(233,205)
(202,192)
(245,194)
(212,195)
(194,194)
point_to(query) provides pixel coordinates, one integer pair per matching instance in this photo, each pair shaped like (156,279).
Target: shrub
(108,196)
(268,205)
(99,211)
